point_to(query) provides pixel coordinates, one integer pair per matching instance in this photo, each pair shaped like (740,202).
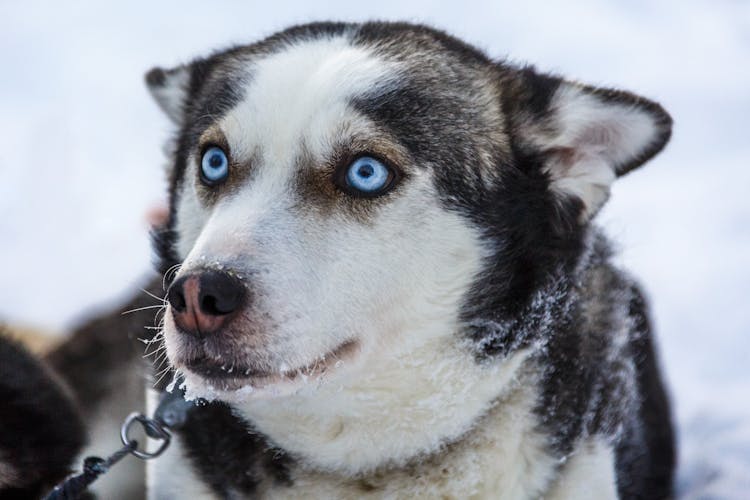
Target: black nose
(203,302)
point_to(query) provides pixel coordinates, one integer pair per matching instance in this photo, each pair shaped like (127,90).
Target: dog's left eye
(214,165)
(367,176)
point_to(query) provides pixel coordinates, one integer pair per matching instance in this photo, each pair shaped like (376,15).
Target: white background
(80,163)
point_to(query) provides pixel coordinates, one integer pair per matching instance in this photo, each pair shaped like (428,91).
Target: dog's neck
(388,410)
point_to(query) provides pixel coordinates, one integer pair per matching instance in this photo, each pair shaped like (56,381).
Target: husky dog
(386,281)
(388,272)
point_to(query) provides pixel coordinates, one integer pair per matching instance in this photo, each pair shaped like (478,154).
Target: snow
(80,163)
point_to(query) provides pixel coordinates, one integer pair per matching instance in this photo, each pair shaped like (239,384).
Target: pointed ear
(170,89)
(586,137)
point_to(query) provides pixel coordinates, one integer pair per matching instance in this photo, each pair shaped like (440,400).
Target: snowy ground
(80,161)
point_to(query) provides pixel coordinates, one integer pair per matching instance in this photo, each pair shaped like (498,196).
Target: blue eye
(368,176)
(214,165)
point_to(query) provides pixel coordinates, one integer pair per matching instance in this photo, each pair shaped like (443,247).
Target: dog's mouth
(235,376)
(211,370)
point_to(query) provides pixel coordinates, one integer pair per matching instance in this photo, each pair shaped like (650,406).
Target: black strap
(93,467)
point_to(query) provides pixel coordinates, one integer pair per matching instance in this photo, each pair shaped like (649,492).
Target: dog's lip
(214,370)
(231,377)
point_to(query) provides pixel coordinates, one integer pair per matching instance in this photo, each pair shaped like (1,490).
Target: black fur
(41,431)
(379,34)
(229,455)
(646,454)
(536,94)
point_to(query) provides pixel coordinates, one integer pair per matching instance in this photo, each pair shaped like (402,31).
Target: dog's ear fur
(585,137)
(170,89)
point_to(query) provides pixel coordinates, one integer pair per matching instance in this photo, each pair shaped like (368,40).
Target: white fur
(588,473)
(298,97)
(599,137)
(504,457)
(171,95)
(191,218)
(392,408)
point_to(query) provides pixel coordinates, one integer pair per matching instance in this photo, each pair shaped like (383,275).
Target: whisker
(165,278)
(159,363)
(163,300)
(144,308)
(152,354)
(163,310)
(148,342)
(162,374)
(154,345)
(156,353)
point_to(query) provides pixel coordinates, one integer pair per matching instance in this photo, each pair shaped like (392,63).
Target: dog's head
(342,193)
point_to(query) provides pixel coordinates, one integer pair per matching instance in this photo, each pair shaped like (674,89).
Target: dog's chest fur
(505,456)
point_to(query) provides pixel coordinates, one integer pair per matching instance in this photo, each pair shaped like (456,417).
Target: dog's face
(342,194)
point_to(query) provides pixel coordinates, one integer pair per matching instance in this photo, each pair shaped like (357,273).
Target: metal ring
(152,429)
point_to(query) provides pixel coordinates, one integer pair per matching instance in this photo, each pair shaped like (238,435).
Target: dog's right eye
(214,166)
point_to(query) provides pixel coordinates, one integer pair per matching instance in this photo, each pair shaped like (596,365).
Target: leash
(171,414)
